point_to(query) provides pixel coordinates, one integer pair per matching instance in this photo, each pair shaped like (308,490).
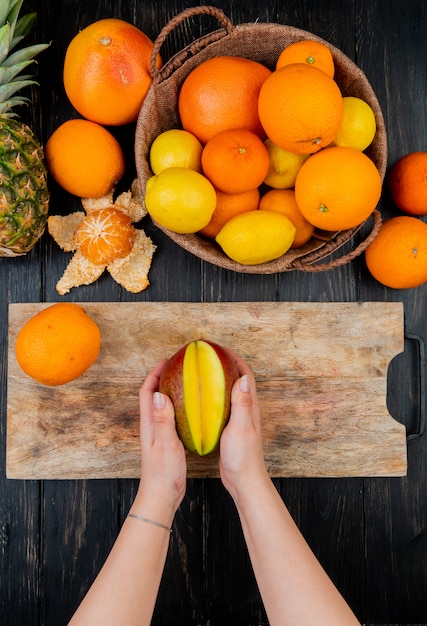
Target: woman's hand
(163,460)
(241,452)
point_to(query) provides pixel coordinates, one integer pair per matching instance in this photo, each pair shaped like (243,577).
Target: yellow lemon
(180,199)
(284,166)
(175,148)
(256,236)
(358,126)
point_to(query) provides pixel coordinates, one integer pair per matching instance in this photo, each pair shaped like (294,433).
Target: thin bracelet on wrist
(150,521)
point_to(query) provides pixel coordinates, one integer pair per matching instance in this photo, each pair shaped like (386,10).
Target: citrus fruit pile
(397,257)
(264,157)
(106,76)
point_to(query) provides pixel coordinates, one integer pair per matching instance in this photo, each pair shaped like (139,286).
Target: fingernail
(159,401)
(244,383)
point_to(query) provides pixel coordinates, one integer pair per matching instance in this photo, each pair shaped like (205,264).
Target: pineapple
(24,196)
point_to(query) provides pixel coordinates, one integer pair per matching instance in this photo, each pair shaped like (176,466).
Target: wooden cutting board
(321,372)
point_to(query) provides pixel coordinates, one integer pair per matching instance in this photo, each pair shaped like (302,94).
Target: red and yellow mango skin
(199,379)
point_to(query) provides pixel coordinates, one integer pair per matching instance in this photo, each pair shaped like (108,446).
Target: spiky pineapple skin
(24,195)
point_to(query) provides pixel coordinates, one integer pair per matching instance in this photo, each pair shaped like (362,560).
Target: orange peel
(130,271)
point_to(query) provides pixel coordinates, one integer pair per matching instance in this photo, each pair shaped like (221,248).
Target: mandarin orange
(397,257)
(300,108)
(314,53)
(337,188)
(222,93)
(407,183)
(235,160)
(107,71)
(283,201)
(84,158)
(227,206)
(105,235)
(58,344)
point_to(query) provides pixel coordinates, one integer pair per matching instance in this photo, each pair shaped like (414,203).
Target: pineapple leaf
(24,25)
(23,28)
(8,90)
(25,54)
(5,8)
(8,73)
(4,42)
(5,107)
(12,16)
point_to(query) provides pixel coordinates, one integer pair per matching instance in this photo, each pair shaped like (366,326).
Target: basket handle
(305,263)
(196,46)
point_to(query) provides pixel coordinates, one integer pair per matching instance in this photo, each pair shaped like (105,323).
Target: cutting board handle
(422,388)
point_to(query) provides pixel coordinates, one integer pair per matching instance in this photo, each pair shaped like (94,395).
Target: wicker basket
(261,42)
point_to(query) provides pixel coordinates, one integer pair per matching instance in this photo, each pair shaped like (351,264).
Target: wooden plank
(321,371)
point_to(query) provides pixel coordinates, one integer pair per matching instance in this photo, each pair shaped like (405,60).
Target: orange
(397,257)
(104,235)
(301,108)
(222,93)
(337,188)
(227,206)
(58,344)
(407,183)
(107,71)
(235,160)
(283,201)
(84,158)
(314,53)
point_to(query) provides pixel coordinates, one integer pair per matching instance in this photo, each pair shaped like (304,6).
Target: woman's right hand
(241,460)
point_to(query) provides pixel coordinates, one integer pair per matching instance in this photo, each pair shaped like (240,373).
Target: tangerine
(107,71)
(314,53)
(222,93)
(283,201)
(58,344)
(397,257)
(337,188)
(104,235)
(300,108)
(84,158)
(227,206)
(235,160)
(407,183)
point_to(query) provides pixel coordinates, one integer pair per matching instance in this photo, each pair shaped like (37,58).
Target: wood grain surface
(321,372)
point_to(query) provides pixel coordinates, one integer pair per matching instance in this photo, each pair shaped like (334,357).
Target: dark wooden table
(370,534)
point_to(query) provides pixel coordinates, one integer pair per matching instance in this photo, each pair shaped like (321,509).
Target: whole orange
(84,158)
(407,183)
(337,188)
(397,257)
(227,206)
(58,344)
(283,201)
(314,53)
(222,93)
(107,71)
(235,160)
(300,108)
(105,235)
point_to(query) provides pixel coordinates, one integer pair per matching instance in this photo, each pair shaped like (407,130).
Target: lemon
(256,236)
(180,199)
(284,166)
(175,148)
(358,126)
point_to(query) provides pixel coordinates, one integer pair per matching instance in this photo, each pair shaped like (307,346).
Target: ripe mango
(199,379)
